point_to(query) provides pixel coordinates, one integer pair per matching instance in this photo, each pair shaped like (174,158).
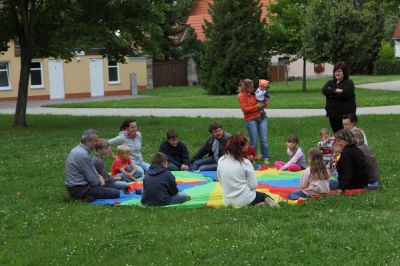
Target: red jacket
(248,104)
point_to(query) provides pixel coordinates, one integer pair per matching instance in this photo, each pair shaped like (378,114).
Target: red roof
(199,13)
(396,34)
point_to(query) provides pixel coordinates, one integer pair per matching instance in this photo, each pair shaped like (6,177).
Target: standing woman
(256,121)
(340,96)
(130,136)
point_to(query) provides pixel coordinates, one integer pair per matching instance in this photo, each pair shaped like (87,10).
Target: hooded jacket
(159,186)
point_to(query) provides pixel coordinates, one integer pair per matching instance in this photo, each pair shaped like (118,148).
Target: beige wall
(295,69)
(77,76)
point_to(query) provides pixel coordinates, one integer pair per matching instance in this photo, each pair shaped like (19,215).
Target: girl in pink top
(315,179)
(297,160)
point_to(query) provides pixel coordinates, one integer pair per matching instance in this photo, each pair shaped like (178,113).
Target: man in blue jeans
(159,185)
(213,148)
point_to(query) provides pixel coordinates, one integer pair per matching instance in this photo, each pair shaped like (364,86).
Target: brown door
(170,73)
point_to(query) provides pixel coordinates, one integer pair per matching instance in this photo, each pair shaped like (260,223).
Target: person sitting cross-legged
(80,177)
(213,148)
(159,185)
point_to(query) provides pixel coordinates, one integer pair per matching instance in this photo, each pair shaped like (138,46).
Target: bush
(387,67)
(386,51)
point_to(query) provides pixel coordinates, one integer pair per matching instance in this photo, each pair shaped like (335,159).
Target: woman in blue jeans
(256,121)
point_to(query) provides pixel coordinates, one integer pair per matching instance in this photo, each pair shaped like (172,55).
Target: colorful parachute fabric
(205,192)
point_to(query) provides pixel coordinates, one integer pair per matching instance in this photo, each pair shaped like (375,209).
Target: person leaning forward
(80,177)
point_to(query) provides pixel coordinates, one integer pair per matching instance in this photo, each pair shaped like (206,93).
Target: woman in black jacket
(351,166)
(340,96)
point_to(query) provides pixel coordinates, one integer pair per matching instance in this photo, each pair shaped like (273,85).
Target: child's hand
(184,167)
(101,180)
(117,178)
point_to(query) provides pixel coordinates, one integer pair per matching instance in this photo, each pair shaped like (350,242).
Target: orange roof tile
(396,34)
(199,13)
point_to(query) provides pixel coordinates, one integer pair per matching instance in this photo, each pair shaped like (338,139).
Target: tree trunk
(304,75)
(20,109)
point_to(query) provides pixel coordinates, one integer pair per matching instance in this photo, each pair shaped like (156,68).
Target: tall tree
(59,27)
(286,19)
(336,30)
(235,45)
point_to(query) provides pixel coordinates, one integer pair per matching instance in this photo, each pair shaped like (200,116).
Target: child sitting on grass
(315,179)
(102,150)
(325,145)
(297,160)
(123,167)
(176,151)
(159,185)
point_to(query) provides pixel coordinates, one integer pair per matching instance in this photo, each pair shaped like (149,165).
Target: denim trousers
(178,198)
(204,164)
(258,128)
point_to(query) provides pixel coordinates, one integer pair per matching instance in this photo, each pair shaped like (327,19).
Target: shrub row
(387,66)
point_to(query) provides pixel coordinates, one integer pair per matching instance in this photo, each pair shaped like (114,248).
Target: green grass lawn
(282,96)
(40,226)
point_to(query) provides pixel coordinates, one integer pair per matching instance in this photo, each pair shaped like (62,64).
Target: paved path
(159,112)
(34,107)
(389,85)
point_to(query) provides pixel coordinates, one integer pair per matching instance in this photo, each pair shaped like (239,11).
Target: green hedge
(387,67)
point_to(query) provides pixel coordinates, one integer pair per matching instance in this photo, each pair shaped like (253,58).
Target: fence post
(134,86)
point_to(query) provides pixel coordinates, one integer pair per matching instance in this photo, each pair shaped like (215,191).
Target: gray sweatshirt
(79,169)
(134,144)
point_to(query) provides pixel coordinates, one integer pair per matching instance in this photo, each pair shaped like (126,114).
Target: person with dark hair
(131,137)
(370,158)
(256,121)
(80,177)
(176,151)
(351,166)
(237,177)
(349,121)
(340,96)
(213,148)
(159,185)
(297,161)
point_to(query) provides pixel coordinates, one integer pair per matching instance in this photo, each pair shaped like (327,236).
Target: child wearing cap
(123,166)
(262,93)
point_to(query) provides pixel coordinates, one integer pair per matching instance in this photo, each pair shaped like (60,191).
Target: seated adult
(349,121)
(213,148)
(237,177)
(370,159)
(351,166)
(80,177)
(176,151)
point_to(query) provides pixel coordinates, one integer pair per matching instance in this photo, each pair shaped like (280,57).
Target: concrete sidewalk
(389,85)
(181,112)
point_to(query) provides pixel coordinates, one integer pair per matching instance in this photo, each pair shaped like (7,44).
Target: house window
(36,75)
(4,76)
(113,72)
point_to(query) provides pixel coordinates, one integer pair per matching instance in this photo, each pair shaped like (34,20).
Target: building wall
(295,69)
(76,76)
(397,48)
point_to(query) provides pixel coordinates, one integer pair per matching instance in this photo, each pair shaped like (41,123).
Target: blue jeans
(142,168)
(121,185)
(333,184)
(204,164)
(173,167)
(178,198)
(259,128)
(138,174)
(297,195)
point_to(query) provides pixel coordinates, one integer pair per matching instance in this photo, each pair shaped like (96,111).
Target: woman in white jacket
(236,175)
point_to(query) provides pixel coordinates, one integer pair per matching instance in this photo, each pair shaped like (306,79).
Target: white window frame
(8,70)
(112,66)
(40,86)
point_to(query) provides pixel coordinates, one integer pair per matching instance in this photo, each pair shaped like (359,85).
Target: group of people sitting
(346,156)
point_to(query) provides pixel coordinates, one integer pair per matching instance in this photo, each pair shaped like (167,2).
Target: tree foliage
(58,28)
(235,46)
(336,30)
